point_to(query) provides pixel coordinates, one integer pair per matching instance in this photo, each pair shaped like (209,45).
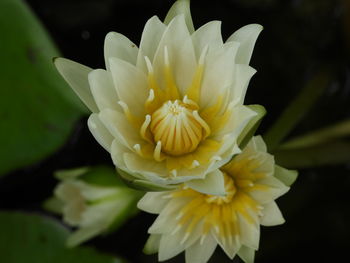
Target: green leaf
(252,126)
(297,109)
(32,238)
(335,131)
(332,153)
(37,108)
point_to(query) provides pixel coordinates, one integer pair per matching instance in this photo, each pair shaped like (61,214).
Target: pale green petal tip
(143,185)
(178,8)
(53,205)
(288,177)
(71,173)
(247,254)
(152,245)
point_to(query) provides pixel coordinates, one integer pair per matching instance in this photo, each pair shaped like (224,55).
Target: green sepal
(250,129)
(143,185)
(286,176)
(53,205)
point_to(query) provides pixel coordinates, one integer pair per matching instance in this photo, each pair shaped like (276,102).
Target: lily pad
(33,238)
(37,108)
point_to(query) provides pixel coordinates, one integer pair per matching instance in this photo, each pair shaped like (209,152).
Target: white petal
(275,190)
(246,254)
(131,85)
(170,246)
(117,152)
(212,184)
(201,252)
(151,35)
(242,75)
(180,7)
(119,46)
(100,132)
(287,177)
(217,76)
(120,128)
(272,216)
(259,144)
(249,233)
(152,244)
(178,43)
(77,77)
(247,36)
(208,34)
(103,90)
(153,202)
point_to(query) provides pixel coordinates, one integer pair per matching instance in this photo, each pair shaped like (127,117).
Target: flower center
(178,127)
(230,189)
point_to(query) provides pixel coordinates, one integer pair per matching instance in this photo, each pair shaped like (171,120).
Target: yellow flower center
(178,127)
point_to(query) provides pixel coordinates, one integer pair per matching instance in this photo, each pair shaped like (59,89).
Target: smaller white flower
(196,223)
(93,200)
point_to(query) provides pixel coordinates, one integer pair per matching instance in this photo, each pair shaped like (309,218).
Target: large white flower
(194,222)
(170,110)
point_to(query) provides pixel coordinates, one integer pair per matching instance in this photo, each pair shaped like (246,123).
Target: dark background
(300,38)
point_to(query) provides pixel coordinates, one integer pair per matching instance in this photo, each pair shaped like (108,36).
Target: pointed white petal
(151,35)
(212,184)
(275,189)
(247,254)
(207,35)
(152,244)
(131,85)
(170,246)
(249,233)
(259,144)
(180,7)
(100,132)
(272,216)
(287,177)
(201,252)
(153,202)
(247,36)
(117,153)
(242,76)
(176,42)
(119,46)
(120,128)
(77,77)
(217,76)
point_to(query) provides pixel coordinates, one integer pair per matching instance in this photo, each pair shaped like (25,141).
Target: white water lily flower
(170,110)
(92,207)
(196,223)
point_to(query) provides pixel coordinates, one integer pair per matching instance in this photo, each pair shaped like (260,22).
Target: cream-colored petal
(180,7)
(120,128)
(103,90)
(212,184)
(152,244)
(117,153)
(76,76)
(118,46)
(242,75)
(247,254)
(230,245)
(274,189)
(151,35)
(170,246)
(207,35)
(247,36)
(131,85)
(249,233)
(272,215)
(176,42)
(200,252)
(287,177)
(100,132)
(153,202)
(259,144)
(217,76)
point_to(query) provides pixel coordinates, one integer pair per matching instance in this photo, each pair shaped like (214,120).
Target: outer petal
(180,7)
(249,233)
(246,254)
(207,35)
(119,46)
(247,36)
(272,216)
(201,252)
(151,35)
(77,77)
(287,177)
(152,244)
(103,90)
(242,76)
(153,202)
(131,85)
(100,132)
(212,184)
(178,43)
